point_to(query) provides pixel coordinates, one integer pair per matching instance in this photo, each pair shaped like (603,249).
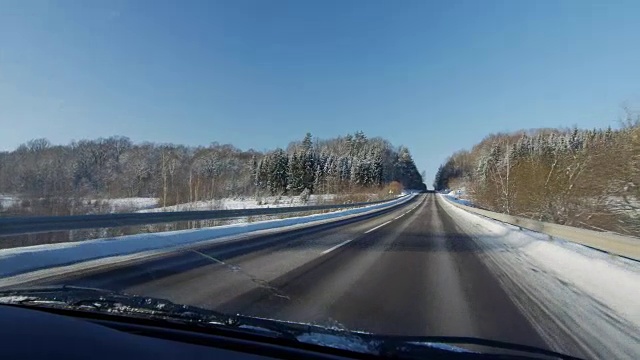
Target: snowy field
(247,203)
(7,201)
(594,295)
(147,204)
(96,205)
(130,204)
(31,258)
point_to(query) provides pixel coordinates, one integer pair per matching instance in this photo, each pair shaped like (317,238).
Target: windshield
(417,168)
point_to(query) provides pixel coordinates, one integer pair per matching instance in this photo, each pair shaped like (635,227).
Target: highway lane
(410,271)
(227,268)
(413,276)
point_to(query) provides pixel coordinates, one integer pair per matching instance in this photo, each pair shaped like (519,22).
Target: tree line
(57,176)
(584,178)
(336,166)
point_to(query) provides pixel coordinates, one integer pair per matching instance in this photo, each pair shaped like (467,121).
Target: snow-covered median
(26,259)
(589,294)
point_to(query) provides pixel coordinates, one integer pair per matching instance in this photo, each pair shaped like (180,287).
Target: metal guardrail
(37,224)
(612,243)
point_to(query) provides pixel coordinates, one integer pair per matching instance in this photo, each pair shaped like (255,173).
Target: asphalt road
(409,271)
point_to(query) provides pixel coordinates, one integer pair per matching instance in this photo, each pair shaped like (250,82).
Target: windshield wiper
(404,347)
(91,299)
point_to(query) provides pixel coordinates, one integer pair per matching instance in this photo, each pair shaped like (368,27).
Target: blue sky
(434,76)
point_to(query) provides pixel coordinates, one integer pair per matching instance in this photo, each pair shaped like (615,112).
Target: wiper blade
(91,299)
(67,297)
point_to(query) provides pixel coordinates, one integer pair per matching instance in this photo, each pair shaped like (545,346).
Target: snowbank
(21,260)
(458,200)
(594,296)
(459,196)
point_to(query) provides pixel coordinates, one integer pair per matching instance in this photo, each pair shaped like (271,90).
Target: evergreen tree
(296,173)
(278,172)
(308,163)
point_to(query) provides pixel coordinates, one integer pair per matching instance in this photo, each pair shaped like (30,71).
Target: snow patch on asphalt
(591,295)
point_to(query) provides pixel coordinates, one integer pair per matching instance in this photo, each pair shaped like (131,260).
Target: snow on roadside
(460,196)
(458,200)
(593,296)
(26,259)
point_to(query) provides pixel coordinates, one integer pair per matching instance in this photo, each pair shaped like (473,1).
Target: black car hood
(337,337)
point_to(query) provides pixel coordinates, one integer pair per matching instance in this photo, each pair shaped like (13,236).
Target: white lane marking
(413,208)
(377,227)
(368,231)
(337,246)
(396,218)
